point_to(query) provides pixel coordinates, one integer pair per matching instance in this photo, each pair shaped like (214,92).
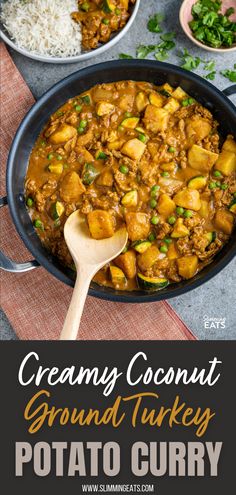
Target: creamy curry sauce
(147,156)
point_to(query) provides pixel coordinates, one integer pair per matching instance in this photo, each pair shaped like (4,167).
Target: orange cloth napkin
(35,302)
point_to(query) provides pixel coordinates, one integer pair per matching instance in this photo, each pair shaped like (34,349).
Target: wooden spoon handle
(73,317)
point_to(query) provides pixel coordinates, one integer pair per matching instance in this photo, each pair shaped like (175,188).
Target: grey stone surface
(216,299)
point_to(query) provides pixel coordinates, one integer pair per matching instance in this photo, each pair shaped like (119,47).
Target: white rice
(44,27)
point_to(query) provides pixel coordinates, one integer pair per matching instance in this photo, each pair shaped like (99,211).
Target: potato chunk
(141,101)
(71,187)
(100,224)
(201,159)
(180,230)
(62,134)
(104,108)
(224,221)
(197,128)
(226,162)
(165,205)
(156,119)
(127,263)
(187,266)
(133,149)
(105,178)
(147,259)
(229,145)
(188,198)
(138,225)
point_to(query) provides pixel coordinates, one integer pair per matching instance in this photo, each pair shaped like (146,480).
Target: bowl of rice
(44,30)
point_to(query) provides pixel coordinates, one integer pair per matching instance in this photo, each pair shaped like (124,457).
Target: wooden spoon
(89,256)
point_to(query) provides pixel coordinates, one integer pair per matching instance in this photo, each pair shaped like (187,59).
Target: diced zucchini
(89,174)
(108,6)
(142,246)
(134,148)
(232,207)
(180,230)
(167,87)
(148,283)
(226,162)
(201,159)
(117,276)
(140,129)
(141,101)
(156,99)
(187,266)
(179,93)
(188,198)
(100,224)
(104,108)
(130,122)
(130,199)
(57,209)
(197,182)
(172,105)
(210,236)
(55,168)
(86,99)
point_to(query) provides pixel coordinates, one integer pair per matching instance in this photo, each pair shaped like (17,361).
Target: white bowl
(77,58)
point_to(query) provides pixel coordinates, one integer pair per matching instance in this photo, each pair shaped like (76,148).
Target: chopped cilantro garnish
(230,74)
(144,50)
(189,62)
(154,23)
(125,56)
(210,26)
(210,65)
(211,75)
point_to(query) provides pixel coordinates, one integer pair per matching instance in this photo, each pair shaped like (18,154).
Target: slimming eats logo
(214,322)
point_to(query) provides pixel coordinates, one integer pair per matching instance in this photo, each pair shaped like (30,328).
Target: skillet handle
(9,265)
(231,90)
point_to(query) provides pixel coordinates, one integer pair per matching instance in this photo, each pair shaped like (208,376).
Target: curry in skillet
(150,157)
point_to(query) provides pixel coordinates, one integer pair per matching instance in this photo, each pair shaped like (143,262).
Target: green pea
(117,11)
(179,210)
(154,191)
(105,21)
(188,214)
(128,114)
(85,6)
(78,108)
(155,220)
(168,241)
(50,156)
(142,138)
(217,173)
(163,249)
(171,220)
(165,174)
(153,203)
(29,202)
(152,237)
(218,183)
(212,185)
(59,157)
(171,149)
(224,187)
(38,224)
(83,124)
(123,169)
